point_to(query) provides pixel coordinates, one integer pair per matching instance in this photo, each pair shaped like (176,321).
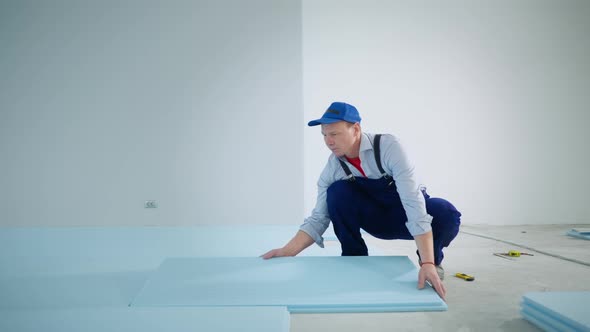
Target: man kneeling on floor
(369,183)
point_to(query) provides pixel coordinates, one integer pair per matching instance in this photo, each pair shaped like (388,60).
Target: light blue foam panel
(104,250)
(125,319)
(566,308)
(543,321)
(302,284)
(582,234)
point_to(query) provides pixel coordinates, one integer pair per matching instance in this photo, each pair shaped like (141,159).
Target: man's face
(340,137)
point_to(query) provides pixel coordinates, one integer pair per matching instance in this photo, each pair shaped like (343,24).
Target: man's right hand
(279,252)
(299,242)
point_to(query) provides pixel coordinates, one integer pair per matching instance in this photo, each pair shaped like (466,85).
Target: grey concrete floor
(492,301)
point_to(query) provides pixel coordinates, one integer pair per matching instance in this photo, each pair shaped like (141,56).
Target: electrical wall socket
(150,204)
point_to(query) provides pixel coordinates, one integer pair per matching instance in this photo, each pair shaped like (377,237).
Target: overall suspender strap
(349,175)
(377,151)
(378,156)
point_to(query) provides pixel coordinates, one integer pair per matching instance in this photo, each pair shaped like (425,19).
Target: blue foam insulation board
(125,319)
(83,278)
(582,234)
(302,284)
(543,321)
(560,311)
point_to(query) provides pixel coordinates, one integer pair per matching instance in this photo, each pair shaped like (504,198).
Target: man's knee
(339,192)
(446,219)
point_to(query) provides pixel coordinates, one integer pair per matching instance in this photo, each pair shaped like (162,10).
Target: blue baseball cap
(338,111)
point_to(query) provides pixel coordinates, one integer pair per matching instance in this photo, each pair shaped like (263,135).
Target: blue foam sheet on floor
(98,251)
(543,321)
(268,319)
(560,311)
(302,284)
(582,234)
(83,278)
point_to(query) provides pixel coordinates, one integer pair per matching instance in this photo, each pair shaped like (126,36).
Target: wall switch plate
(150,204)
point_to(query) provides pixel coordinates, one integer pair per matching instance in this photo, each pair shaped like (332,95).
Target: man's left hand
(428,273)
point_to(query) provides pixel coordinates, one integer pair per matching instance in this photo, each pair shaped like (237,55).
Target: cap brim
(322,121)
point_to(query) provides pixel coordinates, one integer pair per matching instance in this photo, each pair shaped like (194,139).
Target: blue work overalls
(374,205)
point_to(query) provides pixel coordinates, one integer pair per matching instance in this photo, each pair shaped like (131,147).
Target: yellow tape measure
(516,253)
(464,276)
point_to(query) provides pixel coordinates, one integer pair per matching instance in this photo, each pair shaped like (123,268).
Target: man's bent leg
(445,225)
(344,205)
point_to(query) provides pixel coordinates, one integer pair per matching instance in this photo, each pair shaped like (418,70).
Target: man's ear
(357,128)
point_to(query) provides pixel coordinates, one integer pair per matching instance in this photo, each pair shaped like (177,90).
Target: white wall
(491,98)
(105,104)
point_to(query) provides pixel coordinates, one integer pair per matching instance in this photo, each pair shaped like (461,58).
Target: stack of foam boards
(557,311)
(579,233)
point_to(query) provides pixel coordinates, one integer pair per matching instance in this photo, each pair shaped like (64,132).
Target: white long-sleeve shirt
(395,163)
